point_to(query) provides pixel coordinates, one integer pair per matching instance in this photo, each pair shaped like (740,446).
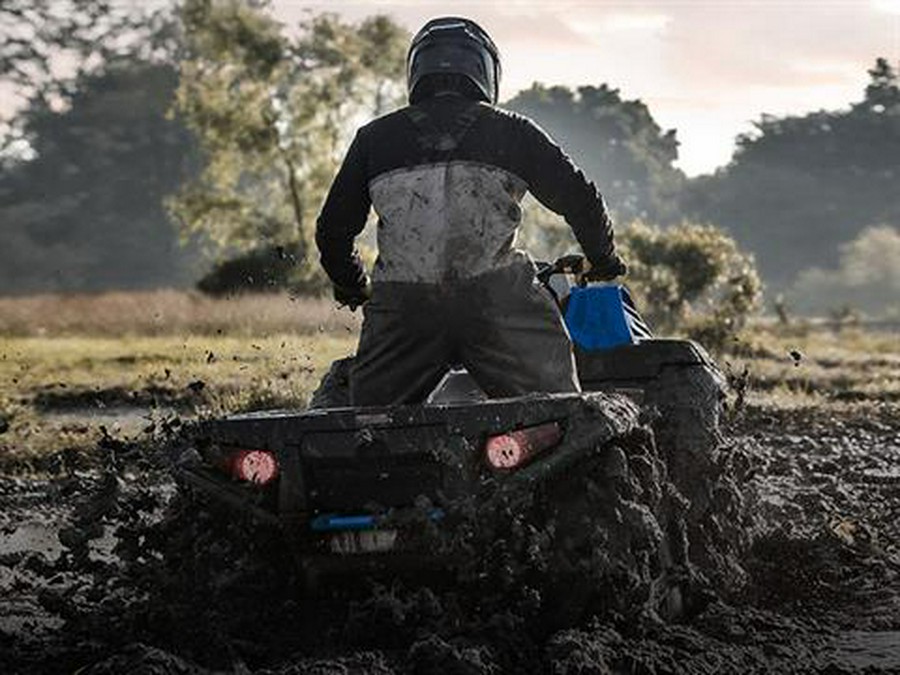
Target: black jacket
(446,178)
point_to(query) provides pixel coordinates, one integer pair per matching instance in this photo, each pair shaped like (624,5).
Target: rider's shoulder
(385,121)
(519,121)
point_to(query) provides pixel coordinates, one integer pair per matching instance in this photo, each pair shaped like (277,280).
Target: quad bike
(376,488)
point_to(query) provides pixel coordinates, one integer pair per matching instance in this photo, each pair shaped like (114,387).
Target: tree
(272,116)
(883,92)
(799,185)
(866,280)
(46,45)
(617,143)
(86,212)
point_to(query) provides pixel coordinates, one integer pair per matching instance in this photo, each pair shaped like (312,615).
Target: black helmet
(456,47)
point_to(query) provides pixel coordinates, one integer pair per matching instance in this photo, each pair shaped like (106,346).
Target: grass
(169,312)
(803,367)
(49,386)
(69,365)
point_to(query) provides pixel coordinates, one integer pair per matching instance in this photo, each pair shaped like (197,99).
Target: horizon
(691,55)
(707,69)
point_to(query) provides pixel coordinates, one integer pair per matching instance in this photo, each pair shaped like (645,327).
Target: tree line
(211,133)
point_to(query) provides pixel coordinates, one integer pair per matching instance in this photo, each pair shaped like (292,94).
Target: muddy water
(875,650)
(104,571)
(122,420)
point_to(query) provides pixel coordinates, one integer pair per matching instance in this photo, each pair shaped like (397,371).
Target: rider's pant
(503,326)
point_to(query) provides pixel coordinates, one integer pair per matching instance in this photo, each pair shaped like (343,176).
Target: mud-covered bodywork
(346,474)
(680,384)
(345,483)
(375,488)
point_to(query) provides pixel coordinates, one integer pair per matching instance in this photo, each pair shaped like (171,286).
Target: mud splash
(789,563)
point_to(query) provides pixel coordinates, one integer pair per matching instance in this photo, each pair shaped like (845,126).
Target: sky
(705,68)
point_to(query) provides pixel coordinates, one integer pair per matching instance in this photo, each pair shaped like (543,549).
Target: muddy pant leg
(403,347)
(516,341)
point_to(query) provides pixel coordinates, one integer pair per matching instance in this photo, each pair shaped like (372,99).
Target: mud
(788,563)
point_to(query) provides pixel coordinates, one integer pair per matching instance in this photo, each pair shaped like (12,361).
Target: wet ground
(104,569)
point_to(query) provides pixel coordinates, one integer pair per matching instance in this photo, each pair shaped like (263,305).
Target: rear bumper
(446,440)
(227,492)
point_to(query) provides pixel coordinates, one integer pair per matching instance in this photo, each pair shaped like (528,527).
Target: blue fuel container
(602,317)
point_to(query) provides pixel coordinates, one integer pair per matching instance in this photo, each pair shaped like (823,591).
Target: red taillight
(254,466)
(515,448)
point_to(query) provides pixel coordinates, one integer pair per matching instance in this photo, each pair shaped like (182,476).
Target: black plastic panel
(375,482)
(643,361)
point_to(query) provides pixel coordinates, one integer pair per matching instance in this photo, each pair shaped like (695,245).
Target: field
(812,411)
(69,366)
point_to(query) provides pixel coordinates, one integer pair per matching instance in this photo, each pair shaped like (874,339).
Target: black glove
(352,296)
(607,270)
(572,263)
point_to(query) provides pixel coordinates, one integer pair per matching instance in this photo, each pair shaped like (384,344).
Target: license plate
(366,541)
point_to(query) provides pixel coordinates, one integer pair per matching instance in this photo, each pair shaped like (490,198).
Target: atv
(375,488)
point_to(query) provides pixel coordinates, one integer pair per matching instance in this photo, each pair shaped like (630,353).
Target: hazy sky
(704,68)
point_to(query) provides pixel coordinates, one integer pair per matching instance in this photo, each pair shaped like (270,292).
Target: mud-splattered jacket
(446,179)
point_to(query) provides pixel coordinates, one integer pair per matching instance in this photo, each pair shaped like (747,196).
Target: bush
(269,269)
(867,279)
(690,277)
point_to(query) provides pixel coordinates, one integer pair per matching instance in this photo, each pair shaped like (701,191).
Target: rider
(446,176)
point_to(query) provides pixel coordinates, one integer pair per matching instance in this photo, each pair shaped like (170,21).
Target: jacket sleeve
(556,182)
(343,217)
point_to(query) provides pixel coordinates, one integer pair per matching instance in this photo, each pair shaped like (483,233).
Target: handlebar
(568,264)
(574,264)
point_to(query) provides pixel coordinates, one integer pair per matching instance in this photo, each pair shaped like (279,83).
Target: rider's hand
(352,296)
(608,270)
(572,263)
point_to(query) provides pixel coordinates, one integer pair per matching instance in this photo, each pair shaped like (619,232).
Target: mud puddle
(878,651)
(118,420)
(108,571)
